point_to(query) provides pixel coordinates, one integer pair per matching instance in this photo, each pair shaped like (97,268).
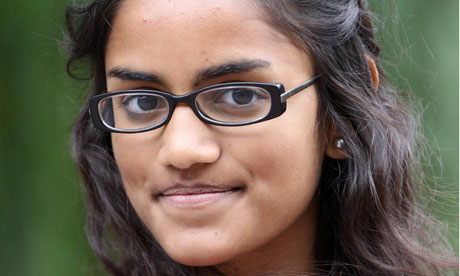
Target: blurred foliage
(420,44)
(41,207)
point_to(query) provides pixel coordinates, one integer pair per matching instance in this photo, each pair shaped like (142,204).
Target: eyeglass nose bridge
(190,100)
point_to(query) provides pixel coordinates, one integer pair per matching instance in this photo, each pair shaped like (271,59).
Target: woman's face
(209,194)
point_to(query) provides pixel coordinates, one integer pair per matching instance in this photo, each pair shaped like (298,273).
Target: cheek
(291,150)
(284,161)
(134,155)
(124,150)
(284,167)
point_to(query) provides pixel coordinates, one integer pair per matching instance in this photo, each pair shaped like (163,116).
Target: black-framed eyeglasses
(226,104)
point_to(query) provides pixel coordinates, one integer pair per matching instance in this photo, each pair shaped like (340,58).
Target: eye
(141,103)
(239,103)
(238,96)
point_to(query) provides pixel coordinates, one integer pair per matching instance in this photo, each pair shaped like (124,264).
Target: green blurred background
(41,208)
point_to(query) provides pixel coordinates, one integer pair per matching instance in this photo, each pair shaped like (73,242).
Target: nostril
(186,141)
(184,154)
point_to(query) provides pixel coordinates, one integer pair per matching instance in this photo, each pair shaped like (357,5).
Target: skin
(267,225)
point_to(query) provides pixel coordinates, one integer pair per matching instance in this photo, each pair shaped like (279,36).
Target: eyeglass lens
(232,104)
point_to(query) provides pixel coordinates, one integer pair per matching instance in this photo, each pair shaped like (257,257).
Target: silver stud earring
(340,144)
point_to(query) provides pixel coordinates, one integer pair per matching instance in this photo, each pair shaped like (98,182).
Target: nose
(187,140)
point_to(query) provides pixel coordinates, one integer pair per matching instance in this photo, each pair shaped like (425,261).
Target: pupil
(147,102)
(242,96)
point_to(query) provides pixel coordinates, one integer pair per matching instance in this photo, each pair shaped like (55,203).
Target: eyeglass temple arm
(286,95)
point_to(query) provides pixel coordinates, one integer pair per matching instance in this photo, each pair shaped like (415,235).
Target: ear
(332,150)
(374,71)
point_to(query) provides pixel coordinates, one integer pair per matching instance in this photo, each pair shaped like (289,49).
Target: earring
(340,144)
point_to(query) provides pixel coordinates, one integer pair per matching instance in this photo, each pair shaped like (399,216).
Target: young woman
(244,137)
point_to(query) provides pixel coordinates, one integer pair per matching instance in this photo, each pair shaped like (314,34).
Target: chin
(205,253)
(201,258)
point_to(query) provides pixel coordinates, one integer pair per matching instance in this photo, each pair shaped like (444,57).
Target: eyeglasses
(226,104)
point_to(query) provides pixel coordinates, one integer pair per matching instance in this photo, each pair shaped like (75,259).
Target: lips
(182,190)
(196,195)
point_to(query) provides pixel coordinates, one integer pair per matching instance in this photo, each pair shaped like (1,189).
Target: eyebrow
(204,75)
(128,74)
(230,68)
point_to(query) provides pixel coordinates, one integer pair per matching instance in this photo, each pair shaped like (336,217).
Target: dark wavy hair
(369,221)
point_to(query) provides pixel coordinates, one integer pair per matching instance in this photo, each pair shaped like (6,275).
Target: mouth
(196,196)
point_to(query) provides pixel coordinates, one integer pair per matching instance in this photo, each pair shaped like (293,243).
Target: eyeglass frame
(276,90)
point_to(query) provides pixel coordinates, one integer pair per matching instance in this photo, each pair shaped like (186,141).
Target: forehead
(154,11)
(179,21)
(174,13)
(179,37)
(156,23)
